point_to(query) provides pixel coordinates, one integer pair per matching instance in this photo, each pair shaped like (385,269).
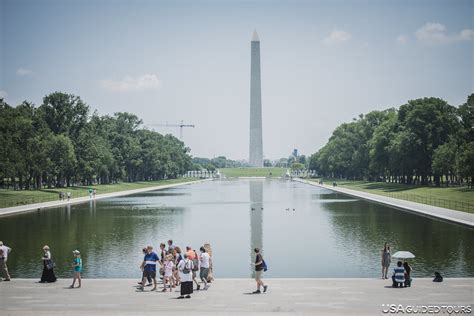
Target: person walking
(185,267)
(259,265)
(48,266)
(77,266)
(148,277)
(4,252)
(204,261)
(149,267)
(386,260)
(168,272)
(196,267)
(68,196)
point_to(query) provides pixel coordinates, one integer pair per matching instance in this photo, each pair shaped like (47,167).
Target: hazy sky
(323,62)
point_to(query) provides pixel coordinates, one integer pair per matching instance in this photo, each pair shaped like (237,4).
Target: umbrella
(403,255)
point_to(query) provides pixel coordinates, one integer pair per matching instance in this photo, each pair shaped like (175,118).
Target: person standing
(185,268)
(170,246)
(94,193)
(258,272)
(149,267)
(48,266)
(68,196)
(204,261)
(408,270)
(77,266)
(4,252)
(386,260)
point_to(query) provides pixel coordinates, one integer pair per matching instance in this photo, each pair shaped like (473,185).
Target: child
(77,265)
(168,265)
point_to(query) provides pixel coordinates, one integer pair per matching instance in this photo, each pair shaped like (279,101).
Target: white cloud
(133,84)
(3,94)
(337,36)
(23,72)
(437,33)
(402,39)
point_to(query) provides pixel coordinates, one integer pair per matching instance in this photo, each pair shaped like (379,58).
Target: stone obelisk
(256,143)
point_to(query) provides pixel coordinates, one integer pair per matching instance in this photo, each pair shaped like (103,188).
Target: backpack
(186,270)
(264,265)
(438,277)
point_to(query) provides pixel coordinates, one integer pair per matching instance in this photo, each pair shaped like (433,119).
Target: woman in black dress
(48,267)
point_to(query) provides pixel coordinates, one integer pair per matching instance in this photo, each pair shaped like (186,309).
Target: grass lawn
(457,198)
(16,197)
(253,172)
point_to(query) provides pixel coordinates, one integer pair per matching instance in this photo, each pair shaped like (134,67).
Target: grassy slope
(13,198)
(253,172)
(459,198)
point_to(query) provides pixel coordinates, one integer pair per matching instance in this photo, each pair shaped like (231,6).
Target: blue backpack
(264,265)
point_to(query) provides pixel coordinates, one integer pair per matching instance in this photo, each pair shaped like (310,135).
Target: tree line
(426,141)
(61,143)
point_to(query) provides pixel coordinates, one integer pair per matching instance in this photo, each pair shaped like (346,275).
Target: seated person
(408,270)
(398,276)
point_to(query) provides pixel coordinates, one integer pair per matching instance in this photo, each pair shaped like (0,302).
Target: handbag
(50,264)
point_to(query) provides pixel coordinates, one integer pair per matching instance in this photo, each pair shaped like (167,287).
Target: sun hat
(76,252)
(45,247)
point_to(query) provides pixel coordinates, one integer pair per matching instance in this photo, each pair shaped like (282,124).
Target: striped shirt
(150,261)
(399,273)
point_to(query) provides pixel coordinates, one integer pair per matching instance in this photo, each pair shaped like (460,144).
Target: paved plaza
(229,296)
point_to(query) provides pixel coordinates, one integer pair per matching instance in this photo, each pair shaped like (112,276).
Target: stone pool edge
(8,211)
(453,216)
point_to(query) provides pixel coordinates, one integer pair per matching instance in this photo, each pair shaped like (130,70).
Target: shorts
(258,274)
(151,274)
(204,273)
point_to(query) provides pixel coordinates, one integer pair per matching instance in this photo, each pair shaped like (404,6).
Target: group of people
(174,266)
(401,276)
(48,275)
(64,195)
(177,268)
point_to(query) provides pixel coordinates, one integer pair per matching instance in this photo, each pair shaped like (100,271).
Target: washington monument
(256,143)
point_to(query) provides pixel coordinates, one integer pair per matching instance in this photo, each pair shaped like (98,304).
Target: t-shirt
(259,267)
(190,254)
(77,264)
(205,260)
(399,273)
(185,277)
(150,261)
(6,250)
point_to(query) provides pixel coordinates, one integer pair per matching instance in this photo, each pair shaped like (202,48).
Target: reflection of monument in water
(256,216)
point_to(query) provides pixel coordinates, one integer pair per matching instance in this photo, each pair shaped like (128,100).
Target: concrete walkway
(230,296)
(32,207)
(457,217)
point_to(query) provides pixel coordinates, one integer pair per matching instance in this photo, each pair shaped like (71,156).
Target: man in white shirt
(204,261)
(4,251)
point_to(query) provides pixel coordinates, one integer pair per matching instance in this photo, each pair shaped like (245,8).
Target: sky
(322,62)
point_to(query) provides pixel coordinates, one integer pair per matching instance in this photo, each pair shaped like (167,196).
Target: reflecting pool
(304,231)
